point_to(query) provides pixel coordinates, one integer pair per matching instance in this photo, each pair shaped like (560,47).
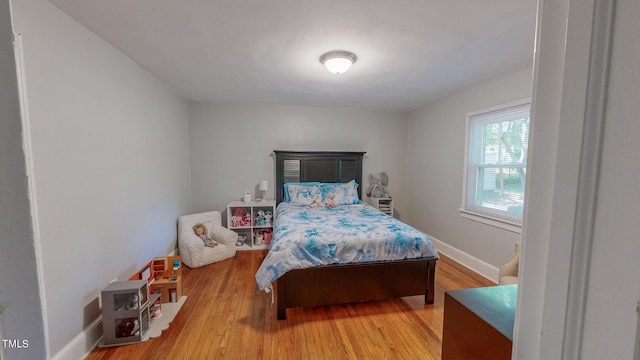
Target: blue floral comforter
(307,237)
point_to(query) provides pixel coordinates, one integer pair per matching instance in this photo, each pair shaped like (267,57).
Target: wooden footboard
(338,284)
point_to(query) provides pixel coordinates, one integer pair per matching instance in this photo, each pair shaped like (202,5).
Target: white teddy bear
(317,201)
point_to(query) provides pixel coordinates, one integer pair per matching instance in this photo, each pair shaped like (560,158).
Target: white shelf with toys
(253,221)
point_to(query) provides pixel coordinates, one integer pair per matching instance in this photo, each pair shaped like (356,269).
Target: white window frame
(483,215)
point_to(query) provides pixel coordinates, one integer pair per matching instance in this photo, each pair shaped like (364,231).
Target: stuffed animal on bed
(330,202)
(317,201)
(378,186)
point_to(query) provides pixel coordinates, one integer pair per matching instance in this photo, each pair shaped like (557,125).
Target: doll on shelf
(202,232)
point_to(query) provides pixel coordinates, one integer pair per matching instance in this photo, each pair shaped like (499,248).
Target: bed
(337,283)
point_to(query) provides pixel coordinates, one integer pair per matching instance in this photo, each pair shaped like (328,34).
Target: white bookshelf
(252,227)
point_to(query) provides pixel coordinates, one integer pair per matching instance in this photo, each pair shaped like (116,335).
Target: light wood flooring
(227,317)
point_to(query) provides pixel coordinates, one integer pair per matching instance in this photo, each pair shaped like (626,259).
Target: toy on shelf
(268,216)
(242,239)
(126,301)
(127,327)
(260,218)
(176,267)
(263,217)
(157,314)
(263,236)
(268,233)
(240,217)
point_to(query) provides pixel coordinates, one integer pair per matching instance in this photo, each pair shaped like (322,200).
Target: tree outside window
(496,161)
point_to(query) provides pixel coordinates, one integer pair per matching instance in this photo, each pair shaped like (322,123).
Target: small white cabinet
(383,204)
(253,221)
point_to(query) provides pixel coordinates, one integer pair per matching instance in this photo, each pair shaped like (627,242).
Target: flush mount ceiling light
(338,61)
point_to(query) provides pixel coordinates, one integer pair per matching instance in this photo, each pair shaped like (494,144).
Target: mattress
(358,233)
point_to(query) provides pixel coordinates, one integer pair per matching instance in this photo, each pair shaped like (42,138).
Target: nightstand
(383,204)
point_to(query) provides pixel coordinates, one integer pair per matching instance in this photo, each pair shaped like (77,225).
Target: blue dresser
(478,323)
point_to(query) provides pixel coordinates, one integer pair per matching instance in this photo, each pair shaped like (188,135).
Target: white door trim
(593,110)
(581,60)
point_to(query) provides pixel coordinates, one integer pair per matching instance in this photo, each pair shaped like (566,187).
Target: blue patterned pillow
(306,195)
(334,194)
(286,188)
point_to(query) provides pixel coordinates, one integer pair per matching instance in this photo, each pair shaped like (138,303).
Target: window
(495,167)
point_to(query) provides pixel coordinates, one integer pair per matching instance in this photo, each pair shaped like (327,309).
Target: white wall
(436,157)
(110,153)
(231,145)
(20,302)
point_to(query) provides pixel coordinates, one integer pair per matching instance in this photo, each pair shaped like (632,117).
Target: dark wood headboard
(321,166)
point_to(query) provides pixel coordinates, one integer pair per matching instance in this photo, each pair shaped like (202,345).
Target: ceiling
(410,52)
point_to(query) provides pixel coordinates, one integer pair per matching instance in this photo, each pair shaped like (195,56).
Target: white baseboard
(478,266)
(82,345)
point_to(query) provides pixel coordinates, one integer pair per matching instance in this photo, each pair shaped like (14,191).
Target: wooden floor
(227,317)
